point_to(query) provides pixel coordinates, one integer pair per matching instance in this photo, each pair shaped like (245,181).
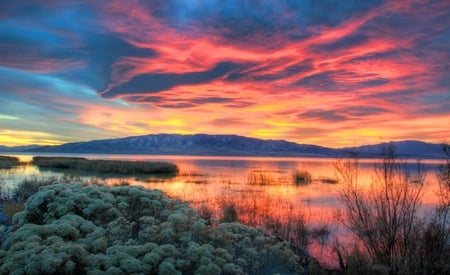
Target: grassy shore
(105,166)
(8,162)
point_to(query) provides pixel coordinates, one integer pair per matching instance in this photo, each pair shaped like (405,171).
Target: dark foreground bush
(8,162)
(395,237)
(106,166)
(78,229)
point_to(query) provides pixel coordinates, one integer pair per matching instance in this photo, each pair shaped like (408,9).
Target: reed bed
(105,166)
(8,162)
(302,177)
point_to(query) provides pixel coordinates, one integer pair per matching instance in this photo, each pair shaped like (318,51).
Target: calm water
(260,187)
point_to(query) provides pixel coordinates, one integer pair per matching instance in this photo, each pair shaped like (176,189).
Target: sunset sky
(332,73)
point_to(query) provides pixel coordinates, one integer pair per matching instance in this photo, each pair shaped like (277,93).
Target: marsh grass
(229,213)
(194,177)
(13,201)
(253,208)
(205,212)
(302,177)
(31,185)
(9,162)
(261,178)
(192,174)
(11,207)
(328,180)
(198,181)
(106,166)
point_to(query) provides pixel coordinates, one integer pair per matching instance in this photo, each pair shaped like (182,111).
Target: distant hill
(18,148)
(407,149)
(199,144)
(224,145)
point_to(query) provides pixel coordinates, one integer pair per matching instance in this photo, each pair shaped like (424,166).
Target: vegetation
(14,200)
(8,162)
(229,213)
(29,186)
(436,234)
(10,208)
(260,178)
(78,228)
(328,180)
(302,177)
(106,166)
(255,209)
(393,237)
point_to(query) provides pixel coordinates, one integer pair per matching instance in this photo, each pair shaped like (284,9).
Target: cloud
(185,66)
(64,40)
(325,115)
(154,83)
(44,103)
(229,122)
(179,100)
(342,114)
(344,43)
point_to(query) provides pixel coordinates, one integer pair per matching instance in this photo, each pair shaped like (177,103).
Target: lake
(262,189)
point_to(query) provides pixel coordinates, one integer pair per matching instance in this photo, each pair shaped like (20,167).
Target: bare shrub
(435,238)
(205,212)
(384,216)
(229,213)
(321,232)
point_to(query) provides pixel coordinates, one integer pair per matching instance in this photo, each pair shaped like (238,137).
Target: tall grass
(106,166)
(302,177)
(10,208)
(260,178)
(275,216)
(8,162)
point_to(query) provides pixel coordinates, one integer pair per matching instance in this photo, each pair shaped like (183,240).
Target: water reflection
(263,190)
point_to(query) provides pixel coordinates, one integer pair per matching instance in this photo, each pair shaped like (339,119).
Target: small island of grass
(8,162)
(105,166)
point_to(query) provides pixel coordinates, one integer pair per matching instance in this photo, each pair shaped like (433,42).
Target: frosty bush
(78,228)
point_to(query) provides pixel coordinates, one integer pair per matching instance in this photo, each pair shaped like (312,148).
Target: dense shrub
(78,228)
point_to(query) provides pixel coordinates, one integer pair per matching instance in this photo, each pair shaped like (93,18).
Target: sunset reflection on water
(262,190)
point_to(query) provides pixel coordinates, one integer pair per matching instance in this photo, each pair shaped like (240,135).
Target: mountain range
(225,145)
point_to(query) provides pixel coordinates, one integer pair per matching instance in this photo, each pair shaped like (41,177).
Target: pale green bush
(86,229)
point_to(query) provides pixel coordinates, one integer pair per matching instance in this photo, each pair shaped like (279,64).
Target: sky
(326,72)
